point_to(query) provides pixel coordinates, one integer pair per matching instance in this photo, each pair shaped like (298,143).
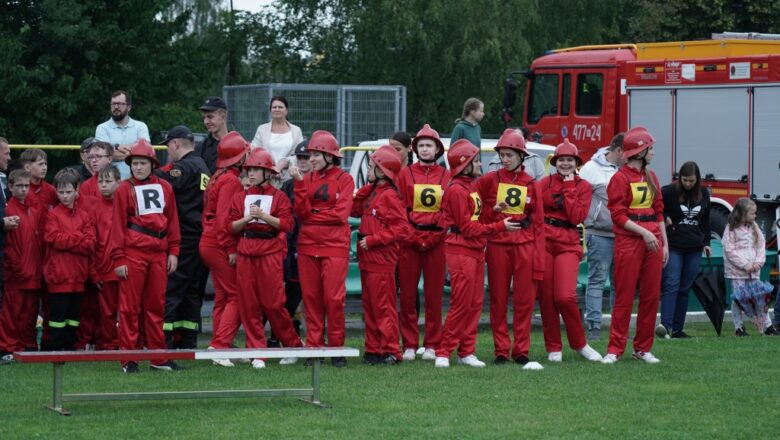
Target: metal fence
(352,113)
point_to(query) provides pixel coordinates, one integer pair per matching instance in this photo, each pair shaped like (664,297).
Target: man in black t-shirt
(214,112)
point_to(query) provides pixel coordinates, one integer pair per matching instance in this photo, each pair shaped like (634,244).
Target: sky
(250,5)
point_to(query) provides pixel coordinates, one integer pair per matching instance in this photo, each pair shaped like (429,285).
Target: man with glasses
(121,131)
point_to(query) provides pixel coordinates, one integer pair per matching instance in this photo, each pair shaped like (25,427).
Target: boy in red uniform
(41,193)
(260,217)
(144,245)
(108,179)
(70,241)
(323,201)
(98,155)
(21,270)
(421,187)
(465,252)
(382,226)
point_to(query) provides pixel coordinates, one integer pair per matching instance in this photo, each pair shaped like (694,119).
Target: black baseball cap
(301,149)
(178,132)
(87,143)
(213,103)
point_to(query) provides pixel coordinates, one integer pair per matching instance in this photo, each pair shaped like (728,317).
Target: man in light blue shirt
(121,130)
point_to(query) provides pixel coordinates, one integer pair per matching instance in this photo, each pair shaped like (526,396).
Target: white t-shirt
(280,145)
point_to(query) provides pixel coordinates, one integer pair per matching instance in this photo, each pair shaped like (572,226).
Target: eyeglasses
(118,104)
(97,156)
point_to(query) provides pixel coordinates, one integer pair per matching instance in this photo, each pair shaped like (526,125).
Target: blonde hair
(739,213)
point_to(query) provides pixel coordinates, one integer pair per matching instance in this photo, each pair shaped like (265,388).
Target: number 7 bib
(514,196)
(427,198)
(640,195)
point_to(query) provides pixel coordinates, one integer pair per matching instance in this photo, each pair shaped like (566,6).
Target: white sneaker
(662,332)
(442,362)
(555,356)
(258,364)
(409,354)
(471,361)
(222,363)
(645,356)
(288,361)
(609,359)
(589,353)
(420,350)
(533,366)
(429,354)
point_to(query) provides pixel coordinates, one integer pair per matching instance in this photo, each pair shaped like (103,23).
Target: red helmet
(142,148)
(260,158)
(636,140)
(566,149)
(428,133)
(388,160)
(324,142)
(460,154)
(512,139)
(231,149)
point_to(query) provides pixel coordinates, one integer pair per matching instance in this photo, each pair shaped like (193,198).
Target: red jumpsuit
(421,189)
(260,260)
(216,243)
(89,315)
(42,194)
(103,272)
(465,250)
(323,201)
(383,225)
(630,199)
(515,258)
(566,205)
(22,275)
(144,232)
(89,188)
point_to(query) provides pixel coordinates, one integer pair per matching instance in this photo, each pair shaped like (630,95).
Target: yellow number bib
(427,198)
(204,181)
(514,196)
(477,206)
(640,195)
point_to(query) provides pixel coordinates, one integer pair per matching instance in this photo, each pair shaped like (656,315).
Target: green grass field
(705,387)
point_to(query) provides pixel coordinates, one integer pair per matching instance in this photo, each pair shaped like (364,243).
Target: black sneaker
(680,334)
(594,334)
(388,359)
(522,360)
(740,332)
(130,368)
(167,366)
(500,360)
(770,331)
(339,362)
(273,343)
(371,359)
(310,361)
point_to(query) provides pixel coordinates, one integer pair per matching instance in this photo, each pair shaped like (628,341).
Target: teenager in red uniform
(21,269)
(70,241)
(144,245)
(218,244)
(42,193)
(104,277)
(465,253)
(261,217)
(637,207)
(566,200)
(515,259)
(421,186)
(99,155)
(323,201)
(382,226)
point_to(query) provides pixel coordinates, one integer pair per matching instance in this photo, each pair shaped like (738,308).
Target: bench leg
(56,404)
(315,386)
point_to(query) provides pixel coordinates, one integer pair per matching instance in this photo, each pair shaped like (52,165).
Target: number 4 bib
(514,196)
(640,195)
(427,198)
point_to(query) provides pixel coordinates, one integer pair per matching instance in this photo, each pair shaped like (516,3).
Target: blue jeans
(600,251)
(678,277)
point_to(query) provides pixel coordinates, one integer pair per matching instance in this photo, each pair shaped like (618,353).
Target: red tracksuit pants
(261,294)
(89,317)
(558,296)
(226,318)
(467,279)
(142,301)
(511,264)
(17,320)
(379,313)
(431,264)
(324,295)
(639,267)
(108,302)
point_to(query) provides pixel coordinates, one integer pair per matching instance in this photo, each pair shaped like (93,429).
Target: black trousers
(62,320)
(184,296)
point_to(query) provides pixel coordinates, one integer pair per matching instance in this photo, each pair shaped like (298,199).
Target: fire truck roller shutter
(651,108)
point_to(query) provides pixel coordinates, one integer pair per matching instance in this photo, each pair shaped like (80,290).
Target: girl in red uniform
(382,226)
(261,216)
(421,186)
(323,201)
(515,259)
(566,200)
(218,244)
(465,255)
(636,206)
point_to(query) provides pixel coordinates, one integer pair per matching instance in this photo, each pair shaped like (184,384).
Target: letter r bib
(150,199)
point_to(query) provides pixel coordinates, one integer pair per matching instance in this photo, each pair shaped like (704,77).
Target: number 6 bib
(427,198)
(514,196)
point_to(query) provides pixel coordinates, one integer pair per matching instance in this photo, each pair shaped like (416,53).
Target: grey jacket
(598,171)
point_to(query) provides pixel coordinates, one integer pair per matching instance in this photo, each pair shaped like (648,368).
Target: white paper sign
(739,71)
(261,200)
(150,199)
(689,72)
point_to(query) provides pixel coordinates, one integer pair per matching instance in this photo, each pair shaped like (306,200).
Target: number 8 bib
(640,195)
(427,198)
(514,196)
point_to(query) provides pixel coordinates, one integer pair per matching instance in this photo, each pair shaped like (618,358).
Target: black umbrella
(710,290)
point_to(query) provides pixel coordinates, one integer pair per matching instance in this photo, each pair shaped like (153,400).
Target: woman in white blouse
(279,137)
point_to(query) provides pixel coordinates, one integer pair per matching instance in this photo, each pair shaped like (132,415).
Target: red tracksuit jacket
(462,207)
(280,208)
(102,264)
(629,194)
(70,239)
(217,201)
(44,194)
(422,188)
(22,260)
(565,201)
(89,188)
(126,210)
(323,201)
(383,223)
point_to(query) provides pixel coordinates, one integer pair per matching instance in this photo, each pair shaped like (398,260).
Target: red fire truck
(716,102)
